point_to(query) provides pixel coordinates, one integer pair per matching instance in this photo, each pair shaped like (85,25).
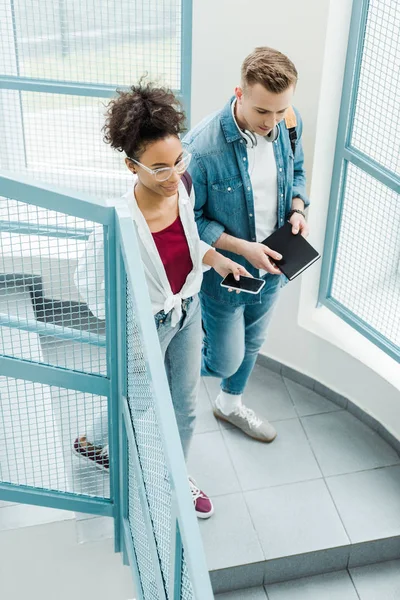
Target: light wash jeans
(181,350)
(233,336)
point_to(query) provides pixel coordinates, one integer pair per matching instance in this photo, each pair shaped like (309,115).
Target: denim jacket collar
(229,127)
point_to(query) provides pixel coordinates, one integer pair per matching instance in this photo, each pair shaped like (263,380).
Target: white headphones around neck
(251,139)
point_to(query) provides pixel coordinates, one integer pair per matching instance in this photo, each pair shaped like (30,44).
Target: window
(361,270)
(59,64)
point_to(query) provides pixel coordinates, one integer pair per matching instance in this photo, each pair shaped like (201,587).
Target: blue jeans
(181,350)
(233,336)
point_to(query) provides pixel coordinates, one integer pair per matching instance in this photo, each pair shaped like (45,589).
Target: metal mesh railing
(39,250)
(187,589)
(60,380)
(140,534)
(376,127)
(367,278)
(151,456)
(62,141)
(90,48)
(38,426)
(102,41)
(48,335)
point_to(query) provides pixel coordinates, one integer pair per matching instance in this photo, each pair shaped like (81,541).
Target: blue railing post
(186,62)
(112,373)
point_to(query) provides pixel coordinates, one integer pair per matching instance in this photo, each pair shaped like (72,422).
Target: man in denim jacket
(247,182)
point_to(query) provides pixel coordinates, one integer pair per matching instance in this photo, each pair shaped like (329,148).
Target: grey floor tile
(378,582)
(79,516)
(368,503)
(25,515)
(287,459)
(307,402)
(229,536)
(93,530)
(209,463)
(329,586)
(266,393)
(343,444)
(294,519)
(256,593)
(205,420)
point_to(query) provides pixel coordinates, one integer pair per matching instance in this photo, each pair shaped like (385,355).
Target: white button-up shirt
(89,275)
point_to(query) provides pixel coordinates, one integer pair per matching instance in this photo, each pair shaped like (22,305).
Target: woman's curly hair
(140,116)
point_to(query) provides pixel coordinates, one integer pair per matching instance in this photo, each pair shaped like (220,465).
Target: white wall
(225,31)
(313,33)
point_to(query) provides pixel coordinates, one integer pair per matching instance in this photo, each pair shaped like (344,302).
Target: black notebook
(297,253)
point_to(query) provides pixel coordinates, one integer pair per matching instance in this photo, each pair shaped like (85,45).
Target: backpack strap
(291,123)
(187,182)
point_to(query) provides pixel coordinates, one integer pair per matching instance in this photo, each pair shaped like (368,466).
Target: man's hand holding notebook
(297,253)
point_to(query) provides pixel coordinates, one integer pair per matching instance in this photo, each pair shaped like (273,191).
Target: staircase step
(323,497)
(380,580)
(293,567)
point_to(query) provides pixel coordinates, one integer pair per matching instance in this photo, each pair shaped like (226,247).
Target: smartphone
(251,285)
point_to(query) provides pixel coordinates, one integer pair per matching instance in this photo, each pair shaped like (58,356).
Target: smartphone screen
(245,284)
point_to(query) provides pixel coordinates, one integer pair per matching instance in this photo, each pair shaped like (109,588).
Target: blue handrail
(64,333)
(26,228)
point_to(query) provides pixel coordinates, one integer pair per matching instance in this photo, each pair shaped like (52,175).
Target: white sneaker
(246,419)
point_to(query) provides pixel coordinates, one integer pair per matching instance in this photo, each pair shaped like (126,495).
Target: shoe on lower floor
(202,504)
(95,455)
(246,419)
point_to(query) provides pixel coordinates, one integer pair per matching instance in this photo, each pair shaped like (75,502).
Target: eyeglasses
(165,172)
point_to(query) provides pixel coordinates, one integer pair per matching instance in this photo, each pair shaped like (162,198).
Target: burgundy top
(174,252)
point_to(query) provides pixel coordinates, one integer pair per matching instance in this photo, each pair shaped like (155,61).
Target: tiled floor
(375,582)
(327,481)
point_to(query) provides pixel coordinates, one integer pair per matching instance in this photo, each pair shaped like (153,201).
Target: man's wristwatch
(296,210)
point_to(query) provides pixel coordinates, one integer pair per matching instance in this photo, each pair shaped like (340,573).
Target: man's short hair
(270,68)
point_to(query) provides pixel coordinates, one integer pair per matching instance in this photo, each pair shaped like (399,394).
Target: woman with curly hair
(145,123)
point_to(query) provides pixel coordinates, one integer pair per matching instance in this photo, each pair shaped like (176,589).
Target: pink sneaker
(202,503)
